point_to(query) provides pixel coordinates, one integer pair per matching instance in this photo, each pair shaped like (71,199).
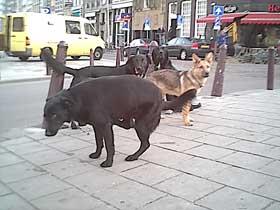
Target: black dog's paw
(95,155)
(106,164)
(131,158)
(195,106)
(74,126)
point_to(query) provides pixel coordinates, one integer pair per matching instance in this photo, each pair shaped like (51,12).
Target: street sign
(125,26)
(147,24)
(46,10)
(217,23)
(218,10)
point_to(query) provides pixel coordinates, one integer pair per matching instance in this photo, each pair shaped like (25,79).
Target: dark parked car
(137,46)
(183,47)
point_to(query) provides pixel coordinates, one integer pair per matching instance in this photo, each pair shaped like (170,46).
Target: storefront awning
(261,18)
(226,18)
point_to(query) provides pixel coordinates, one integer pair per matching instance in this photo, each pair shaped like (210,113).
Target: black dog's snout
(206,74)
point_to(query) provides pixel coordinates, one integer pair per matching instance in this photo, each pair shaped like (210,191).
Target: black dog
(161,59)
(135,65)
(108,101)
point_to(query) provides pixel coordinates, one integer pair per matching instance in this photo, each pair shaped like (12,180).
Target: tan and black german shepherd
(176,83)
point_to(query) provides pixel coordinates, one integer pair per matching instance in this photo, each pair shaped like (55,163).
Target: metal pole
(118,57)
(217,89)
(91,59)
(270,70)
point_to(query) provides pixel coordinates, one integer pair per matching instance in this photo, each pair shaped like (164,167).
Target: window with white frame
(201,11)
(146,3)
(186,13)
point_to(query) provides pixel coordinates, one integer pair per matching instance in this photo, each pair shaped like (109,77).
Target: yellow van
(28,32)
(2,33)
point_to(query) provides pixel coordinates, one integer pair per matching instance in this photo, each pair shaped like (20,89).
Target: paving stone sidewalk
(229,160)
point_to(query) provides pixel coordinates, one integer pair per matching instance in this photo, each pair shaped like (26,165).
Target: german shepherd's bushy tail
(56,66)
(179,102)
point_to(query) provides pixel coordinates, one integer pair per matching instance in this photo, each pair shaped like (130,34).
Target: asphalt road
(21,103)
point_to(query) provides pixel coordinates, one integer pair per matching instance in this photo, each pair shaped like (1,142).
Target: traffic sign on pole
(218,10)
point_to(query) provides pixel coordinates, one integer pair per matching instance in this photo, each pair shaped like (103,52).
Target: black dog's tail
(56,66)
(179,102)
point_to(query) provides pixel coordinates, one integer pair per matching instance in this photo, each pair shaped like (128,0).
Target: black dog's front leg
(99,134)
(109,145)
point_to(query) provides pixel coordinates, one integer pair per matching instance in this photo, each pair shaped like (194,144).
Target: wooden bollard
(91,57)
(217,89)
(122,51)
(57,80)
(118,57)
(270,69)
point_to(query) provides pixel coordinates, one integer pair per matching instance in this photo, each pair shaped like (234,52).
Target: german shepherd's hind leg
(98,131)
(143,136)
(109,145)
(186,111)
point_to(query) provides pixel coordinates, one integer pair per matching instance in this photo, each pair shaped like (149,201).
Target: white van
(28,32)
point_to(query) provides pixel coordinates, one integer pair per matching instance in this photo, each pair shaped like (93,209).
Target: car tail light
(146,45)
(194,45)
(27,41)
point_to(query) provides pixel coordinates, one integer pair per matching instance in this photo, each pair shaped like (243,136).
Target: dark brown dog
(161,59)
(108,101)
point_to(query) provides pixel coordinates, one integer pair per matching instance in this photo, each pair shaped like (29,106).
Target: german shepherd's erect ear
(195,59)
(209,57)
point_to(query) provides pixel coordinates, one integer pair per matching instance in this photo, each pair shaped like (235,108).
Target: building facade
(148,17)
(182,16)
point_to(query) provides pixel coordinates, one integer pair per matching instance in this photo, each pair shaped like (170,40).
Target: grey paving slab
(14,202)
(71,199)
(46,157)
(9,159)
(201,167)
(2,150)
(180,132)
(129,195)
(70,145)
(4,189)
(252,147)
(273,206)
(274,123)
(56,139)
(96,180)
(27,148)
(44,185)
(272,168)
(165,157)
(89,137)
(233,199)
(173,143)
(246,160)
(209,152)
(16,141)
(240,178)
(67,168)
(188,187)
(274,131)
(171,203)
(150,174)
(19,171)
(217,140)
(251,136)
(270,189)
(273,141)
(222,130)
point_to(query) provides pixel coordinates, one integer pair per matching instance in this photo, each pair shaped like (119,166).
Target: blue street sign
(147,24)
(217,23)
(218,10)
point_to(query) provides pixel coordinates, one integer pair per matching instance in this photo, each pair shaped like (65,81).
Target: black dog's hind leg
(99,142)
(109,145)
(144,136)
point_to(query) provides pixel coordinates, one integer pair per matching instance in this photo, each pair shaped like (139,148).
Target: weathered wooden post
(57,80)
(91,57)
(217,89)
(270,69)
(122,51)
(118,57)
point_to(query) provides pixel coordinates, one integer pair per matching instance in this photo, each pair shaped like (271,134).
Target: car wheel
(137,52)
(76,57)
(98,53)
(23,58)
(183,55)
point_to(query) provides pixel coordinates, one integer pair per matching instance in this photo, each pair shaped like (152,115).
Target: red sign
(273,8)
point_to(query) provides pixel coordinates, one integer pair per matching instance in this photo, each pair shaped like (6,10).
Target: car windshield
(172,41)
(183,41)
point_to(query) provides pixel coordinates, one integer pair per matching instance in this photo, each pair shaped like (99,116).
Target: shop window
(186,13)
(201,11)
